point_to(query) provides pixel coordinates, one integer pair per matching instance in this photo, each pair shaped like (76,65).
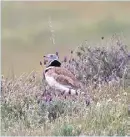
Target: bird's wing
(67,81)
(65,77)
(65,72)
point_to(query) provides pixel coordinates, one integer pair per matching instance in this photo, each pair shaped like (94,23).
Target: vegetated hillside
(30,107)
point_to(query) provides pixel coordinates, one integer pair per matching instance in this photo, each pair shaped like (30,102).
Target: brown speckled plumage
(64,77)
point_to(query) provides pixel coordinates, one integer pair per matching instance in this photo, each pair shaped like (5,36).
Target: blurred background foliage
(26,32)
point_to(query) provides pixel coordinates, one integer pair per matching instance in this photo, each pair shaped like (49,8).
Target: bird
(59,77)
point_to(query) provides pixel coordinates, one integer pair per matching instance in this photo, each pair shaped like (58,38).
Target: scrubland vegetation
(29,107)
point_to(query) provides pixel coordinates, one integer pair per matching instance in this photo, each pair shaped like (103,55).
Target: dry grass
(25,111)
(23,114)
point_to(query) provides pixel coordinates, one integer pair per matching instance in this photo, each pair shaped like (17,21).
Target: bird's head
(52,60)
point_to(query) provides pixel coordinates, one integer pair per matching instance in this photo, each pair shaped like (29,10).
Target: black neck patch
(55,63)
